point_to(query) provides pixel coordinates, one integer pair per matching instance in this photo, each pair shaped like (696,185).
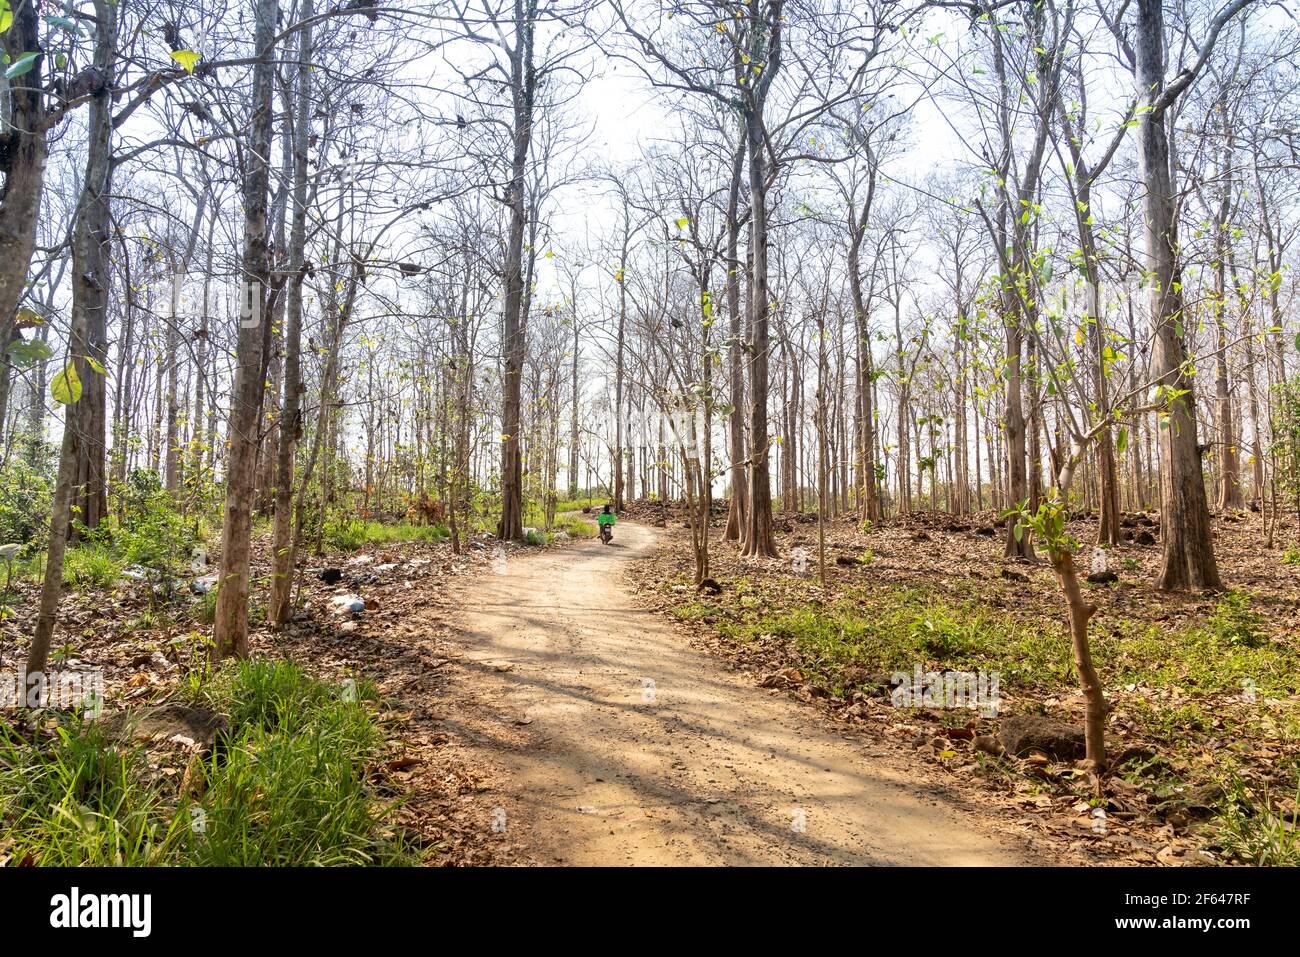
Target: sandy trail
(638,749)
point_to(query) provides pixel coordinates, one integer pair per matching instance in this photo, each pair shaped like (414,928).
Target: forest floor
(148,649)
(1204,731)
(586,704)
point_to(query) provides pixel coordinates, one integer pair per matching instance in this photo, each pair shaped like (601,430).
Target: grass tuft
(288,784)
(353,534)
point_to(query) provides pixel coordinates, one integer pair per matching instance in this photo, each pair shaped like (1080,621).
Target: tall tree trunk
(23,162)
(1187,561)
(173,456)
(870,502)
(573,420)
(1229,460)
(523,81)
(765,39)
(231,626)
(89,301)
(199,436)
(620,369)
(282,553)
(1252,396)
(737,505)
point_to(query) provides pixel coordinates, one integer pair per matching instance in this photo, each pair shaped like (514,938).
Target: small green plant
(947,636)
(81,800)
(1131,564)
(349,535)
(1254,830)
(91,565)
(1049,524)
(577,528)
(1233,623)
(535,537)
(205,609)
(152,533)
(192,650)
(289,783)
(1292,555)
(26,494)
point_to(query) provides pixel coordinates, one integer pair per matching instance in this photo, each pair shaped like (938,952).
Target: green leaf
(187,58)
(63,23)
(66,387)
(25,353)
(683,223)
(6,16)
(95,364)
(22,65)
(1121,444)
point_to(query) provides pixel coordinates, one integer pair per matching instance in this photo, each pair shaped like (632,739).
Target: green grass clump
(290,787)
(287,785)
(894,627)
(1206,657)
(353,534)
(91,566)
(82,800)
(1252,829)
(1233,623)
(577,528)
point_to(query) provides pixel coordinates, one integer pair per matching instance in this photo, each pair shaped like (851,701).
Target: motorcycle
(607,533)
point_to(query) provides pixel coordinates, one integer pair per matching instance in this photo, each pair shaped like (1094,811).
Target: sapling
(1048,523)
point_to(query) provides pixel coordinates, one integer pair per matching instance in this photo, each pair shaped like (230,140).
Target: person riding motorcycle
(606,520)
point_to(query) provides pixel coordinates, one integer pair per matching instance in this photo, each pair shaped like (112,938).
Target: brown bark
(523,87)
(90,300)
(739,484)
(282,552)
(765,48)
(1094,698)
(230,631)
(23,153)
(1187,561)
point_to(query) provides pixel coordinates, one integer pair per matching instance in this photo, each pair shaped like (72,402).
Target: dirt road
(627,746)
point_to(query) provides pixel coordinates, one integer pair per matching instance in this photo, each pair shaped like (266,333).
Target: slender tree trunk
(1187,561)
(759,538)
(573,412)
(1229,461)
(23,163)
(89,297)
(278,605)
(620,369)
(514,332)
(231,626)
